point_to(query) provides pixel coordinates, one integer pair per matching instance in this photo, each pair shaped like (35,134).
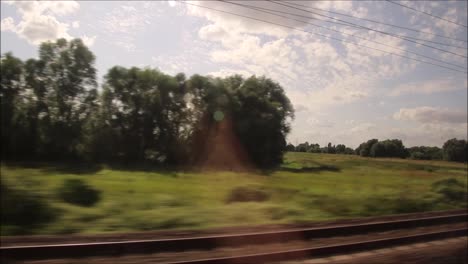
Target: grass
(308,187)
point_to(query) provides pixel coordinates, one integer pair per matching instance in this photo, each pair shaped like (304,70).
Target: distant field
(308,187)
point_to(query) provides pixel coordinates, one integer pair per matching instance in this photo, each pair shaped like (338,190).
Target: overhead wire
(324,36)
(427,13)
(377,22)
(367,28)
(266,10)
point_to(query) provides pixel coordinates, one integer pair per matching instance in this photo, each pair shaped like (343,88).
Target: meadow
(307,187)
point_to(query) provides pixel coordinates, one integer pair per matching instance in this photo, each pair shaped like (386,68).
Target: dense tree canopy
(52,97)
(425,153)
(51,109)
(386,148)
(315,148)
(455,150)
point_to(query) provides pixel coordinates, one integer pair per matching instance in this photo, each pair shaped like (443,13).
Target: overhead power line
(429,14)
(324,36)
(266,10)
(377,22)
(349,24)
(367,28)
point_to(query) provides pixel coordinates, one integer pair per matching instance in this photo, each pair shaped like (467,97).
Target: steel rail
(344,248)
(210,242)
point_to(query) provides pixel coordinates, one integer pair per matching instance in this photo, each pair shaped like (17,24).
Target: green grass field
(308,187)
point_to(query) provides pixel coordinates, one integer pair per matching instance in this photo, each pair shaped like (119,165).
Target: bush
(77,192)
(387,205)
(23,210)
(247,194)
(451,190)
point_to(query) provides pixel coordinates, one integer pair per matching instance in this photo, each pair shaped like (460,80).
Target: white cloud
(31,8)
(212,32)
(124,22)
(75,24)
(229,72)
(171,3)
(426,114)
(363,128)
(300,108)
(8,24)
(314,122)
(39,22)
(428,134)
(425,87)
(88,41)
(235,24)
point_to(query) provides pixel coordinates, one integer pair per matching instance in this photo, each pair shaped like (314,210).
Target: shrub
(451,190)
(23,210)
(247,194)
(387,205)
(77,192)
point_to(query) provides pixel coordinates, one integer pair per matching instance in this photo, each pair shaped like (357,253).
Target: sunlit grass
(308,187)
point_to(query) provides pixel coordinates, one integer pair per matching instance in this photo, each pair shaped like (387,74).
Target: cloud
(212,32)
(75,24)
(88,41)
(122,23)
(300,108)
(426,114)
(8,24)
(229,72)
(425,87)
(235,24)
(31,8)
(38,20)
(314,122)
(362,128)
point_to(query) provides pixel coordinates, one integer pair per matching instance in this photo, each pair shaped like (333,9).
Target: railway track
(122,248)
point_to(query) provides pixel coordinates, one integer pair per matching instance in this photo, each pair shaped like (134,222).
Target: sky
(343,90)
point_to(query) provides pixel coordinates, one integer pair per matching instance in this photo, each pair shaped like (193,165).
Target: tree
(62,83)
(349,151)
(455,150)
(142,110)
(425,153)
(14,132)
(340,149)
(303,147)
(261,113)
(314,148)
(364,148)
(290,147)
(51,109)
(378,150)
(386,148)
(330,148)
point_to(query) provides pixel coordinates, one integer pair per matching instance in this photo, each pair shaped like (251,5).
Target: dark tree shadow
(73,168)
(316,169)
(58,167)
(319,167)
(146,167)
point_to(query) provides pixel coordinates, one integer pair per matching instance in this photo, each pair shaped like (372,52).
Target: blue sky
(342,93)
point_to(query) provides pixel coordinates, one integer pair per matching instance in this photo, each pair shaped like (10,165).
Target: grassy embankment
(308,187)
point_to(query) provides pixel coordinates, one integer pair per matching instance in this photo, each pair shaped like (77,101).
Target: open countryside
(303,189)
(211,132)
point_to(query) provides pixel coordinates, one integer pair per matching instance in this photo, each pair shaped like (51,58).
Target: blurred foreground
(63,199)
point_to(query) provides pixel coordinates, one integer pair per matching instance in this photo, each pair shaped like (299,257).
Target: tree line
(452,150)
(315,148)
(53,109)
